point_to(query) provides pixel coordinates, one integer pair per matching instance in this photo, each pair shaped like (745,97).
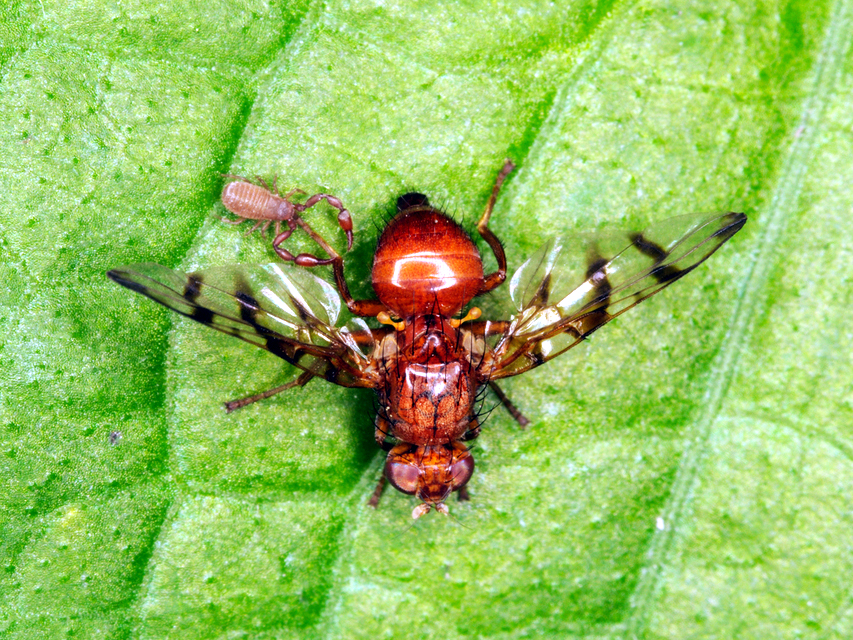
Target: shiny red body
(425,270)
(425,263)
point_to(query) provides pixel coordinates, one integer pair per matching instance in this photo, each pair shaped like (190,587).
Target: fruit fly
(426,364)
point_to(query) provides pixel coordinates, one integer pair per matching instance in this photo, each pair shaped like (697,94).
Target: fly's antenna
(412,523)
(458,522)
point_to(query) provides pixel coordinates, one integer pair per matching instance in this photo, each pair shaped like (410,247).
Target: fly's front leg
(383,430)
(381,433)
(497,278)
(377,493)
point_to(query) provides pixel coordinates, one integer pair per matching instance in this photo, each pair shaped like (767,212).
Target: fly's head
(429,472)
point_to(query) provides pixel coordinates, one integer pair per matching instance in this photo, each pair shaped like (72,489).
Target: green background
(687,473)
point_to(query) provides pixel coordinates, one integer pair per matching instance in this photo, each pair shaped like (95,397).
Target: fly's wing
(616,271)
(287,311)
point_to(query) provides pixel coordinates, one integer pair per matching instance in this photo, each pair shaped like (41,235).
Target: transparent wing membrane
(616,271)
(287,311)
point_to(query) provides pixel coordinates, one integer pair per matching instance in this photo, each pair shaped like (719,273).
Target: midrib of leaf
(170,512)
(783,205)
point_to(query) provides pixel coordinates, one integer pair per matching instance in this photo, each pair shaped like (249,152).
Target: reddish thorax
(429,384)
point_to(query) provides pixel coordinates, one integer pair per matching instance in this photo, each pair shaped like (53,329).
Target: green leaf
(687,473)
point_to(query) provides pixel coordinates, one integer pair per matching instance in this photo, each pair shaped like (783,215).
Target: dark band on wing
(239,314)
(248,308)
(734,222)
(596,264)
(249,314)
(574,331)
(596,273)
(283,350)
(658,254)
(304,314)
(192,290)
(116,276)
(540,298)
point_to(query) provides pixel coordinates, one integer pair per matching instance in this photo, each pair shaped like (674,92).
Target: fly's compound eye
(402,475)
(461,471)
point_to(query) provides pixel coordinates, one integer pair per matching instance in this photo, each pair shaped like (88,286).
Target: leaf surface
(687,473)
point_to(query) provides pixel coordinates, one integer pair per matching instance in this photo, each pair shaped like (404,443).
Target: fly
(426,364)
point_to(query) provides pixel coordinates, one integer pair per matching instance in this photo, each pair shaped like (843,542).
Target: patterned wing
(618,271)
(287,311)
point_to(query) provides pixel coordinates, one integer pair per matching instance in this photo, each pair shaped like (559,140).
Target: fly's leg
(506,402)
(383,430)
(377,493)
(497,278)
(381,433)
(301,381)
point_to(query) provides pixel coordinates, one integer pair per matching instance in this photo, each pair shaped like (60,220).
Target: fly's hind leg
(301,381)
(497,278)
(383,430)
